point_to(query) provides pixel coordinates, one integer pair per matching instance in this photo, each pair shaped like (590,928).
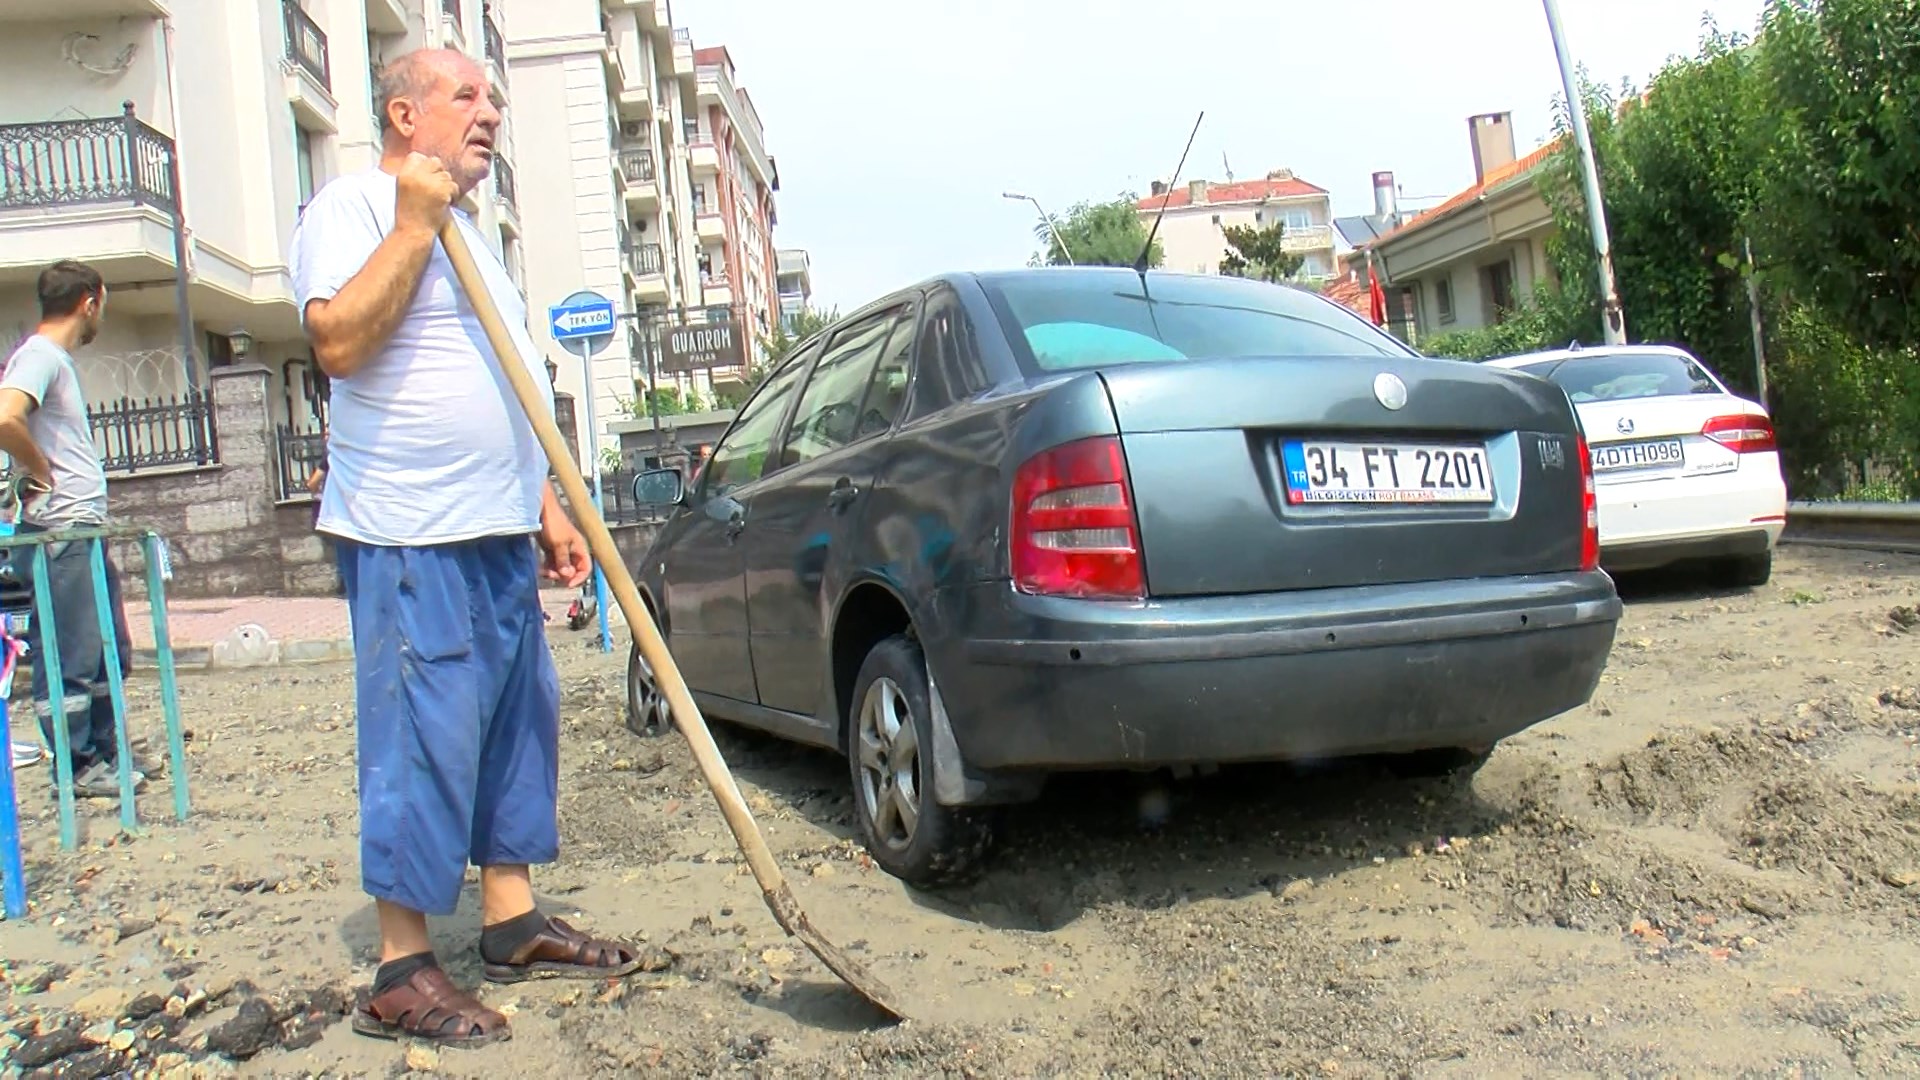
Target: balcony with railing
(85,162)
(1310,238)
(648,261)
(493,42)
(307,43)
(636,164)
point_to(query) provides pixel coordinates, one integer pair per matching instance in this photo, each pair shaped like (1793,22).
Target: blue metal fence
(156,559)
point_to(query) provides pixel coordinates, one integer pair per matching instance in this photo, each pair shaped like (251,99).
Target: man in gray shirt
(60,485)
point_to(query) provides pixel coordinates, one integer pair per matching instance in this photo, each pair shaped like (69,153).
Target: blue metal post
(116,688)
(56,694)
(169,688)
(13,874)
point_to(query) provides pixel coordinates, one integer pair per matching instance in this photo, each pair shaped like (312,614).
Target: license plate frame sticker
(1386,472)
(1639,454)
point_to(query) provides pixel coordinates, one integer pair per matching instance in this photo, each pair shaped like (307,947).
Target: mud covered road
(1713,868)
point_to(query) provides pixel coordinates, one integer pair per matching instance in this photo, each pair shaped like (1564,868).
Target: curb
(270,652)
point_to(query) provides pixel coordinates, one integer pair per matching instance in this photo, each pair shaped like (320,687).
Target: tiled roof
(1236,192)
(1497,178)
(1349,291)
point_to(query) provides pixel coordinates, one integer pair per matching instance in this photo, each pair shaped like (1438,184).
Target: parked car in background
(996,526)
(1686,469)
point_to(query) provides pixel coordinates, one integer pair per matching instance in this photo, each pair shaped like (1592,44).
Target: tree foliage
(1803,143)
(1259,253)
(1098,234)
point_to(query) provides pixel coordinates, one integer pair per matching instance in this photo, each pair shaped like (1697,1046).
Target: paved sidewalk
(250,630)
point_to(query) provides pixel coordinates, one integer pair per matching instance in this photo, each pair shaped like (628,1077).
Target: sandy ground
(1713,868)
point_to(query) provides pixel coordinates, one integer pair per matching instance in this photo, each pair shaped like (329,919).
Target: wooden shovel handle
(666,674)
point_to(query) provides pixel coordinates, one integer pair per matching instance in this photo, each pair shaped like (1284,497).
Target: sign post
(585,321)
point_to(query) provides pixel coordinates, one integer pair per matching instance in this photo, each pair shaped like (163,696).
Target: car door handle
(842,495)
(736,525)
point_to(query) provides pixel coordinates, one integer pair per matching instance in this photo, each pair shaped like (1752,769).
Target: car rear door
(705,568)
(829,460)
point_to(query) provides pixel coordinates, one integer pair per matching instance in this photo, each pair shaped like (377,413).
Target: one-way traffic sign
(581,316)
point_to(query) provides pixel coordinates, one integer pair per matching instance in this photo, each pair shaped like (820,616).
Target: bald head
(438,102)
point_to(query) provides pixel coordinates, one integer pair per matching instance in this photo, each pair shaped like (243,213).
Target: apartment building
(734,181)
(148,137)
(1193,232)
(794,280)
(653,189)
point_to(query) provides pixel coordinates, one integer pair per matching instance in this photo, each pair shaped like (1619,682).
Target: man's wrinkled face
(457,121)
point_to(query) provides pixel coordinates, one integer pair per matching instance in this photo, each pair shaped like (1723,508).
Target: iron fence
(77,162)
(132,435)
(298,454)
(307,43)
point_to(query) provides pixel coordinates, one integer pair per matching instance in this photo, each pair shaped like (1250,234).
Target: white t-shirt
(427,443)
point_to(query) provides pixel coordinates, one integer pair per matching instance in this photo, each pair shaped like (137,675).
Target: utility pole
(1759,336)
(1613,319)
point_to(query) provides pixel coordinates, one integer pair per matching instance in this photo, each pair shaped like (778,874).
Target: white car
(1683,469)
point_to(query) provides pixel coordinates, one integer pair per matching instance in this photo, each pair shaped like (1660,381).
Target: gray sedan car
(1000,525)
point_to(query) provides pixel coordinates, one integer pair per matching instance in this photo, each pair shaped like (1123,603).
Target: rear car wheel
(1748,571)
(889,750)
(648,714)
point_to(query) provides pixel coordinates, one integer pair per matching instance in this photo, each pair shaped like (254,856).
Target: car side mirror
(659,487)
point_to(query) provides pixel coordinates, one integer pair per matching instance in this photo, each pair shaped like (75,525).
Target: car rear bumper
(1651,523)
(1042,683)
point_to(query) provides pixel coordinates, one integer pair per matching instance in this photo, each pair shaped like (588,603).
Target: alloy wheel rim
(645,703)
(889,749)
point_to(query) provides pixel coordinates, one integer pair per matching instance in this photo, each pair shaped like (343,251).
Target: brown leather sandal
(430,1008)
(559,951)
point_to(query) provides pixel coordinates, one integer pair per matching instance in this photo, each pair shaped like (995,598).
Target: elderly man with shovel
(438,500)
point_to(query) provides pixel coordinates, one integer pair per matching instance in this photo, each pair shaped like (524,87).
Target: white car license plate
(1637,455)
(1383,472)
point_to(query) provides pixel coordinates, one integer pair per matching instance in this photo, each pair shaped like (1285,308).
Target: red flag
(1377,296)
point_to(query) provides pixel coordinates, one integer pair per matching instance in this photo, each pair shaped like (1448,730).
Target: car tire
(648,714)
(1748,571)
(1440,763)
(889,741)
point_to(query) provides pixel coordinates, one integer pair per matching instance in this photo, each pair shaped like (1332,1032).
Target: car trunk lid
(1270,474)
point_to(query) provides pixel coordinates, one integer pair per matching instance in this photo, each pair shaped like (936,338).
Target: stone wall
(226,532)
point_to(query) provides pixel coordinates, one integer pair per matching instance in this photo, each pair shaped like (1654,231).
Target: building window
(303,163)
(1299,220)
(1443,299)
(1497,285)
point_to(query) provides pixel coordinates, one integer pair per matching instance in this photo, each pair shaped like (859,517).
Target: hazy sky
(898,123)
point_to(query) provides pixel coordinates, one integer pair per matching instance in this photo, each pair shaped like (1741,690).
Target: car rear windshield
(1617,378)
(1064,320)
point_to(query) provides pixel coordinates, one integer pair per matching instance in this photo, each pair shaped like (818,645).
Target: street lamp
(1044,216)
(242,344)
(1613,319)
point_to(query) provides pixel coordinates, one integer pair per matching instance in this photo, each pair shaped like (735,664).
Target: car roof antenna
(1140,264)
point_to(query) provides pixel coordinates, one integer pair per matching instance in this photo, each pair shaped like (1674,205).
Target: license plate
(1384,472)
(1637,455)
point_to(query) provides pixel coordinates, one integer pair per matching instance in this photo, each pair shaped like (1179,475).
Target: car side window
(741,457)
(829,415)
(887,390)
(948,366)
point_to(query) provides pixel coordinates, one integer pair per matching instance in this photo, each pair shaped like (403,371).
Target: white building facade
(138,134)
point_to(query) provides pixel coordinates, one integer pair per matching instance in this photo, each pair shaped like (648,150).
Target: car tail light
(1074,529)
(1589,508)
(1743,433)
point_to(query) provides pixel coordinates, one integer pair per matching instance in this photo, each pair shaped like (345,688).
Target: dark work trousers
(83,667)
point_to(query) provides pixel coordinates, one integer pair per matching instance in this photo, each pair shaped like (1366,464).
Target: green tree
(1260,253)
(1842,192)
(1098,234)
